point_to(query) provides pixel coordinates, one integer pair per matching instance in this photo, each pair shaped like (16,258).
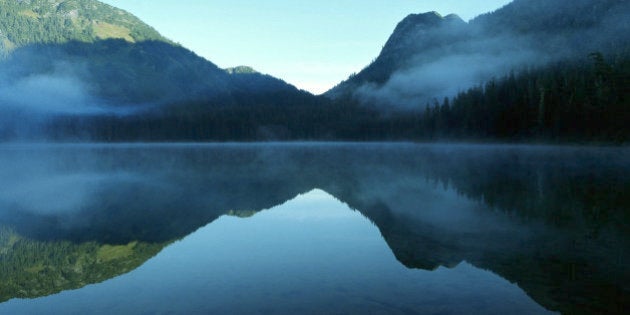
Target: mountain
(65,77)
(78,57)
(416,33)
(249,84)
(429,56)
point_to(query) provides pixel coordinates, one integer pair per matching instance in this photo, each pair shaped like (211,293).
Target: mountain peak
(241,70)
(427,19)
(416,32)
(415,25)
(428,48)
(454,17)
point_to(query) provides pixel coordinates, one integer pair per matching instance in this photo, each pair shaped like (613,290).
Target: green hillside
(59,21)
(31,268)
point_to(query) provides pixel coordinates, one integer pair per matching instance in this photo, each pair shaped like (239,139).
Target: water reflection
(333,261)
(552,220)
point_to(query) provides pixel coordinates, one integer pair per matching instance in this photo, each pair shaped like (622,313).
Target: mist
(443,77)
(453,57)
(55,93)
(31,98)
(66,188)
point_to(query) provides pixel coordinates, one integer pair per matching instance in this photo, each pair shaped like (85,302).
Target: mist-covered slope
(429,56)
(63,76)
(85,57)
(415,34)
(79,77)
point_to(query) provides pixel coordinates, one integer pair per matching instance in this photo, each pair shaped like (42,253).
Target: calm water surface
(313,228)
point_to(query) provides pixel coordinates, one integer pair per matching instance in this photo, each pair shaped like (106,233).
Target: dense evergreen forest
(565,101)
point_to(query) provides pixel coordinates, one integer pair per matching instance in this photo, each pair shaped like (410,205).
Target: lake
(313,228)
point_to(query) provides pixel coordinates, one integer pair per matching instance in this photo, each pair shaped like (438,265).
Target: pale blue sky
(311,44)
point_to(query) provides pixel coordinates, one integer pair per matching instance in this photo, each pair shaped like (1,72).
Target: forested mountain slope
(27,22)
(95,56)
(429,56)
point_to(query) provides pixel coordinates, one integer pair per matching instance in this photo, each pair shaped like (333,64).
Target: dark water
(313,229)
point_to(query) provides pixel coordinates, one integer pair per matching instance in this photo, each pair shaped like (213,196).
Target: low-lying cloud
(32,98)
(454,57)
(56,93)
(443,77)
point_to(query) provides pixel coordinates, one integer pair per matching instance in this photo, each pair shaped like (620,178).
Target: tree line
(566,101)
(571,101)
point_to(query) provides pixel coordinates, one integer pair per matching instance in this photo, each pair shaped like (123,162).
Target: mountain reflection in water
(553,221)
